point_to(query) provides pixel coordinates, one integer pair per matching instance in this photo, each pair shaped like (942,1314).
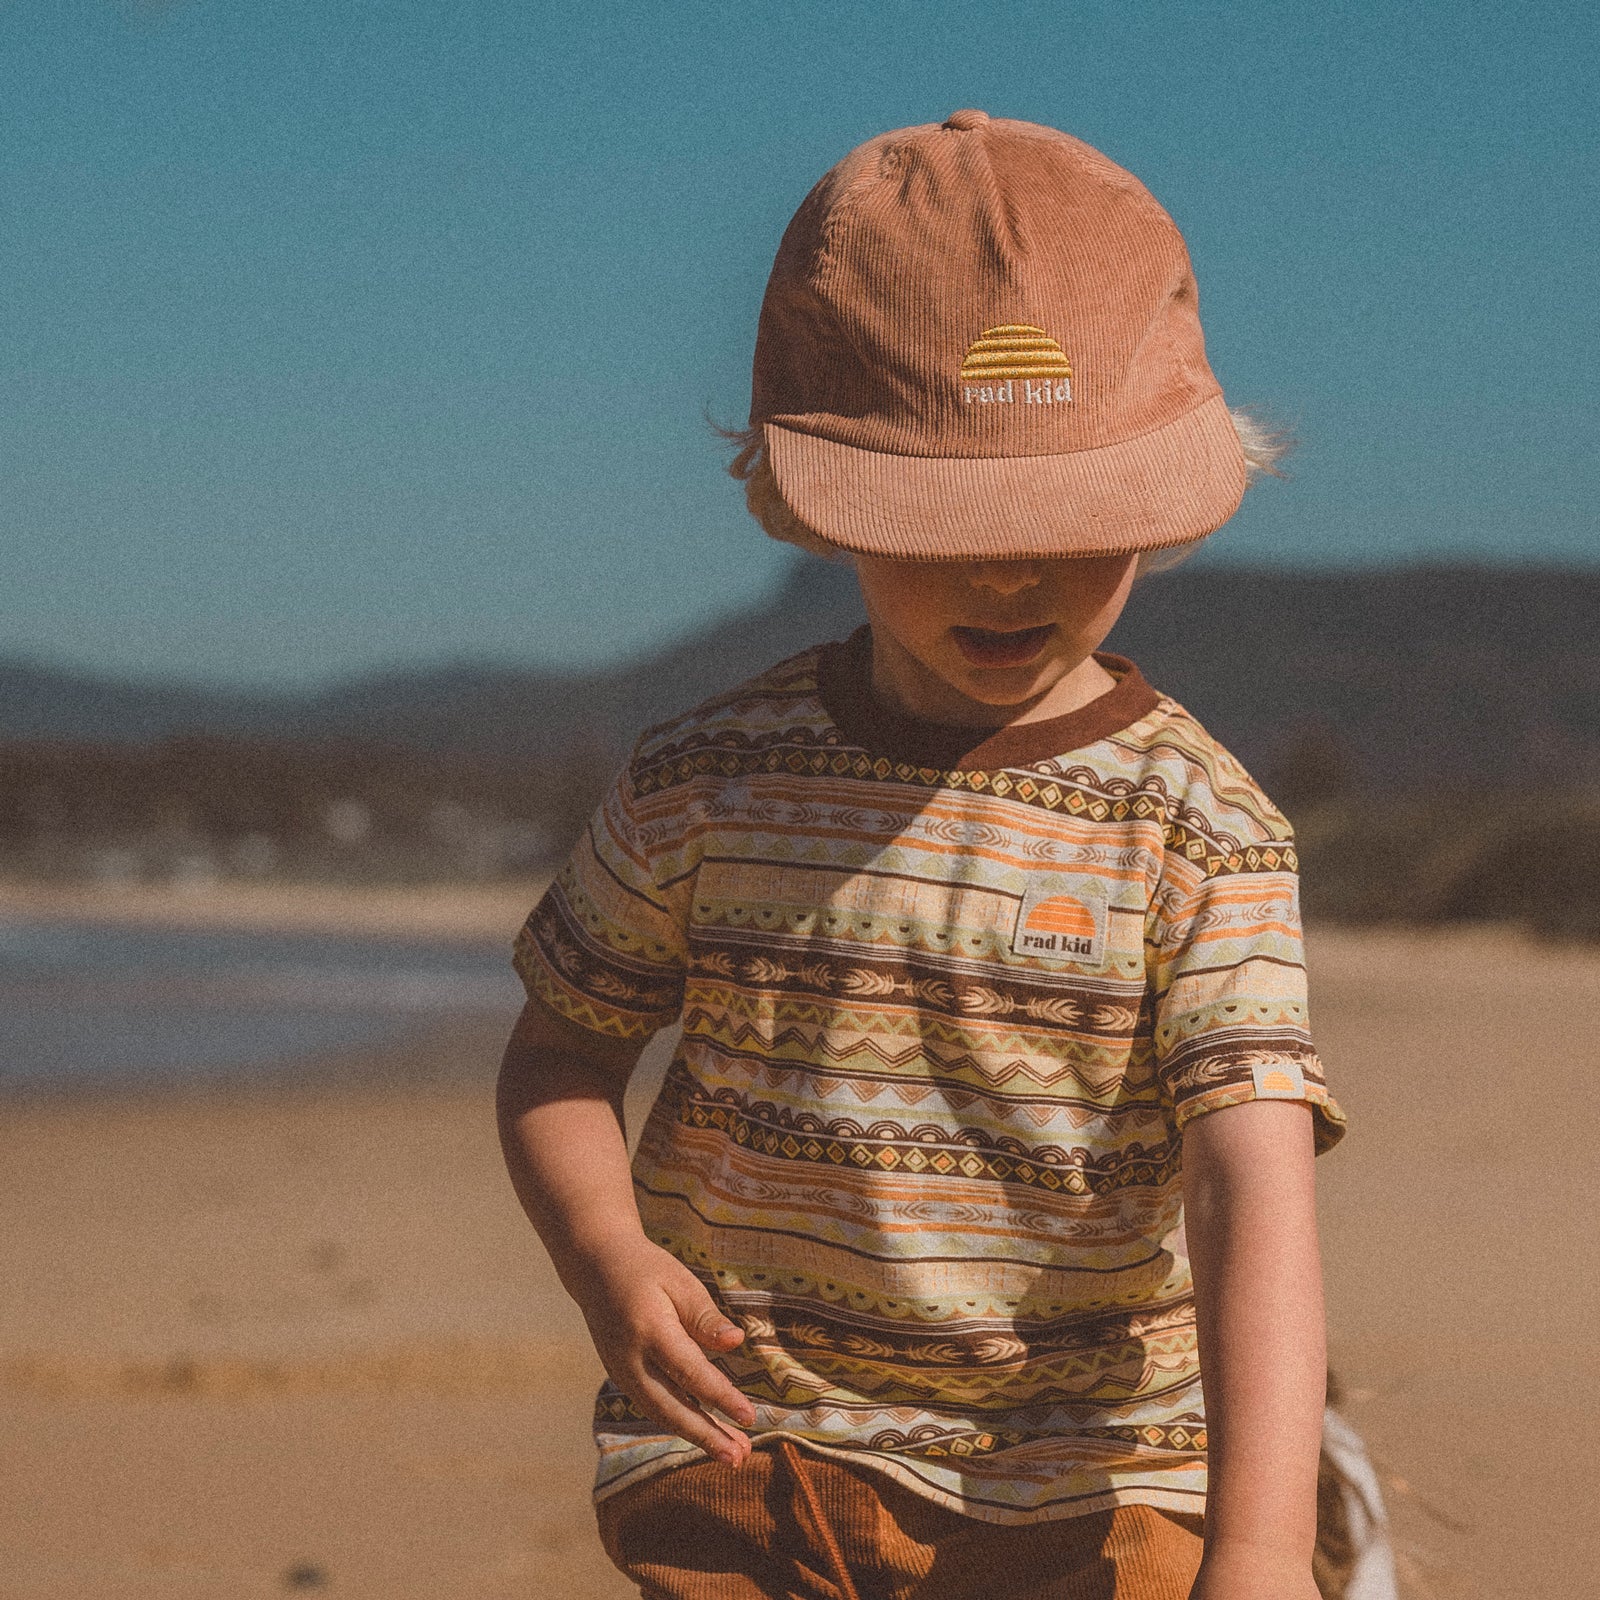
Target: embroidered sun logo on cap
(1015,364)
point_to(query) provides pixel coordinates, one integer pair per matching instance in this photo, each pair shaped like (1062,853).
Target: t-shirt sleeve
(1229,975)
(606,946)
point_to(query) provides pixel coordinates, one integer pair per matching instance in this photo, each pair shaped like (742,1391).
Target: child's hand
(559,1102)
(652,1321)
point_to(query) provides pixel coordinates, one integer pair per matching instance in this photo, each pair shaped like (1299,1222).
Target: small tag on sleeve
(1279,1080)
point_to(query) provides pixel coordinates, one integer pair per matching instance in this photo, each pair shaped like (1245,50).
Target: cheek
(913,606)
(1095,590)
(918,616)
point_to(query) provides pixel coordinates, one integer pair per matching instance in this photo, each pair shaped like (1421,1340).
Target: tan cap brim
(1169,486)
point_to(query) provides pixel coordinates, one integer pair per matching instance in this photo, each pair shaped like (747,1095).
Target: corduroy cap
(981,339)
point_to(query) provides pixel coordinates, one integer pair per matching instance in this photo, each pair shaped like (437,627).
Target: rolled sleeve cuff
(1212,1083)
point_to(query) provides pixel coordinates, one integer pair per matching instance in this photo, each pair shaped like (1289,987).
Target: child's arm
(560,1112)
(1249,1202)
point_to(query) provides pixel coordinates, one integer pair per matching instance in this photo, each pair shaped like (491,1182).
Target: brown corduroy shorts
(789,1525)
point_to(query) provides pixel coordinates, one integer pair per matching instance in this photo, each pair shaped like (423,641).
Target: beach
(298,1336)
(443,911)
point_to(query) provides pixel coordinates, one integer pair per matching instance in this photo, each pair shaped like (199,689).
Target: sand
(302,1339)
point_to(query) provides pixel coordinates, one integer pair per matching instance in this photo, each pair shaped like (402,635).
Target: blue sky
(341,335)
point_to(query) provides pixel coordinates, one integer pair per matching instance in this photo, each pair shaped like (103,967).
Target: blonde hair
(1264,447)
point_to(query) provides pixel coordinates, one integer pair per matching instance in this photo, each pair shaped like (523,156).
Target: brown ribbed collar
(844,683)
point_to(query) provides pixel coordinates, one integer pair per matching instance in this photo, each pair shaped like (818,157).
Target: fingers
(657,1346)
(701,1319)
(660,1386)
(671,1380)
(685,1366)
(710,1330)
(679,1412)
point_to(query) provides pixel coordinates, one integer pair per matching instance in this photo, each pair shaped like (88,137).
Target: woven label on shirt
(1279,1080)
(1062,920)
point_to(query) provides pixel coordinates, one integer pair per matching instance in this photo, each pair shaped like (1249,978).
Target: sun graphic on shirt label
(1278,1080)
(1053,925)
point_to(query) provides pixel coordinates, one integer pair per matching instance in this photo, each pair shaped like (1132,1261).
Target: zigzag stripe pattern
(923,1149)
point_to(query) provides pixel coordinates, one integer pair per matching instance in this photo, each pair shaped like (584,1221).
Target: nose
(1004,577)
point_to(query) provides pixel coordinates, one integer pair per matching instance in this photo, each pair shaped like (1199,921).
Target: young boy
(987,958)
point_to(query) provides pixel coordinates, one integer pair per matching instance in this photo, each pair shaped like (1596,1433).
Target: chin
(1007,686)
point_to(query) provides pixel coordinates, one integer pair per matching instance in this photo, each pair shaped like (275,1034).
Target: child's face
(970,635)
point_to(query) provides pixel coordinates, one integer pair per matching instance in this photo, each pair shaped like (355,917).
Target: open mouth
(992,647)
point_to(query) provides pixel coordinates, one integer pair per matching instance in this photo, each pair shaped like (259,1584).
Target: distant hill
(1420,679)
(1425,679)
(465,707)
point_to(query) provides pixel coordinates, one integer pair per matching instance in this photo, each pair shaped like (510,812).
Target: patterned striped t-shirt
(946,1010)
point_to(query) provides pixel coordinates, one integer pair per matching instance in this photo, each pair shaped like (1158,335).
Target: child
(972,933)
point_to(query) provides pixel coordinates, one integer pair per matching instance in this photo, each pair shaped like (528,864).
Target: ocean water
(83,1004)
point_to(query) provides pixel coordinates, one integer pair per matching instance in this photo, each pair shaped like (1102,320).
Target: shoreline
(445,1056)
(471,913)
(453,1053)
